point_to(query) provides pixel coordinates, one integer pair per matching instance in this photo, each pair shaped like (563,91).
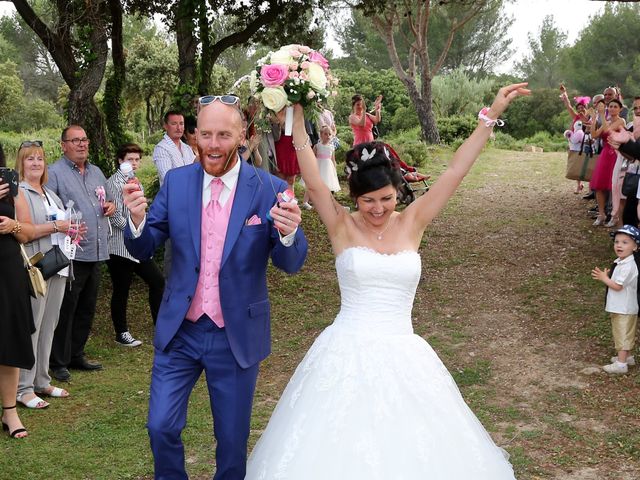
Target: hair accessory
(489,122)
(366,155)
(582,100)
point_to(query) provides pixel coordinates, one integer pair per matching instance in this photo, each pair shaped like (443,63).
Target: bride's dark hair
(371,166)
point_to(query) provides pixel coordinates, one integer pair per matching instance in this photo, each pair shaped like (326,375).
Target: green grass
(99,432)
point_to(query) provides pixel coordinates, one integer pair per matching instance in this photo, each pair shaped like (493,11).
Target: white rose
(317,77)
(253,81)
(282,57)
(274,98)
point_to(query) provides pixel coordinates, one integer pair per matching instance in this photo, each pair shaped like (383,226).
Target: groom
(215,312)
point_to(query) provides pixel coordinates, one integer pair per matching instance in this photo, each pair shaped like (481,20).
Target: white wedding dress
(372,400)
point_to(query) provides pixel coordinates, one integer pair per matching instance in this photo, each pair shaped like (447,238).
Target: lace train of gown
(372,400)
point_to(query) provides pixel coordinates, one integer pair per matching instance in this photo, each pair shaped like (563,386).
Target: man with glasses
(226,221)
(74,179)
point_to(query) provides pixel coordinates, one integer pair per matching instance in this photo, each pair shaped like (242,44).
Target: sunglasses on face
(226,99)
(31,143)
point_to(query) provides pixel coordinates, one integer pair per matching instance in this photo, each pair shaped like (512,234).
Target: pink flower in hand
(318,58)
(304,65)
(274,75)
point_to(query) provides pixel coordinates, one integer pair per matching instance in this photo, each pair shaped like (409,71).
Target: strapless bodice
(377,290)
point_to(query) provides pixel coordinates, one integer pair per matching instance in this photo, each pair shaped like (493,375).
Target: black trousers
(122,270)
(76,315)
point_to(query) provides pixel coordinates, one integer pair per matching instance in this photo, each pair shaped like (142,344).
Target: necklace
(377,234)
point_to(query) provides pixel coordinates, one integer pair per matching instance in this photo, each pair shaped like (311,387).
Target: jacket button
(197,269)
(189,297)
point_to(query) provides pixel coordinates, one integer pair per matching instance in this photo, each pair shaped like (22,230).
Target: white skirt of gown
(371,400)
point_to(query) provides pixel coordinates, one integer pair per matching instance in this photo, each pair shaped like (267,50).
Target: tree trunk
(112,102)
(187,43)
(424,108)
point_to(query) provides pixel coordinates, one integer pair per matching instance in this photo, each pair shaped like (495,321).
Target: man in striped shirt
(171,152)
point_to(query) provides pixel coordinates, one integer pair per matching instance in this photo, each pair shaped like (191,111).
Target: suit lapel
(245,192)
(194,206)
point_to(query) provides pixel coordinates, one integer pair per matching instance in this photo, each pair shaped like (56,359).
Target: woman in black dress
(16,321)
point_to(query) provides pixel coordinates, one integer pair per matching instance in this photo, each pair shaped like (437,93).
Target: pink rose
(304,76)
(295,53)
(305,65)
(318,58)
(293,75)
(304,49)
(293,66)
(274,75)
(311,94)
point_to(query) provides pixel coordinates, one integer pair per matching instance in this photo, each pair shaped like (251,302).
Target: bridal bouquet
(293,74)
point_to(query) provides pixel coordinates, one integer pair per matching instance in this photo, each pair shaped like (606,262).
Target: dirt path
(507,302)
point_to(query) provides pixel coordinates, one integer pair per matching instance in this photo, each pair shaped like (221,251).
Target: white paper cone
(288,121)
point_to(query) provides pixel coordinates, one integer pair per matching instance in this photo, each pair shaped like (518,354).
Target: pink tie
(216,190)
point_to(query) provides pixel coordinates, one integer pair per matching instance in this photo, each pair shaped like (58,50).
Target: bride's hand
(298,116)
(505,96)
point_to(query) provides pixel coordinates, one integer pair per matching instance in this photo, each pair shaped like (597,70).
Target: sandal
(36,402)
(17,431)
(55,392)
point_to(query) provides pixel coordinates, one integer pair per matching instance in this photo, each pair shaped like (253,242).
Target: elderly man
(225,223)
(73,178)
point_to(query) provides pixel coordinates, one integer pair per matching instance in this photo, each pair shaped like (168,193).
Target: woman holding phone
(16,321)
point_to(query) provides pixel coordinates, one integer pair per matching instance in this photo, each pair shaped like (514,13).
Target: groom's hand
(286,217)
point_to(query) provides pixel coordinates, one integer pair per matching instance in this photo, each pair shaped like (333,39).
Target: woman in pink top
(361,121)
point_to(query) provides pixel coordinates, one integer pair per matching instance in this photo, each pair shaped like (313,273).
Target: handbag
(580,166)
(630,182)
(37,283)
(52,262)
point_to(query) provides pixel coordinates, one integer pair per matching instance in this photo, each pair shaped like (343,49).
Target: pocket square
(255,220)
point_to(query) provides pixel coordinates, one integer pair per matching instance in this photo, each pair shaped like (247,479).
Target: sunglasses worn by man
(226,99)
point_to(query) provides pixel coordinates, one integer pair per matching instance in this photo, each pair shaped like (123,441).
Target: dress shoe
(589,196)
(84,364)
(61,374)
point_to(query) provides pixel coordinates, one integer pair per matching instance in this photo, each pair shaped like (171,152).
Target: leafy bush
(456,93)
(405,118)
(456,127)
(50,139)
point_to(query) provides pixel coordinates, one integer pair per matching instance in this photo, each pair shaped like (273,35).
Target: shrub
(456,127)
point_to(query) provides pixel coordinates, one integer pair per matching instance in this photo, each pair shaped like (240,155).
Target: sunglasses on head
(31,143)
(226,99)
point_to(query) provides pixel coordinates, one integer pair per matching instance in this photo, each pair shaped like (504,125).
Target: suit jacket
(176,214)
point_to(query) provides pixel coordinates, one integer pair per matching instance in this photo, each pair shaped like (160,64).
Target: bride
(371,400)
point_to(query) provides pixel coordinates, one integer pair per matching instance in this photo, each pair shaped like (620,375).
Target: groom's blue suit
(229,356)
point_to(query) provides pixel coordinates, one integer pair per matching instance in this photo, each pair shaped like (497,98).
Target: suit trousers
(46,311)
(76,315)
(122,270)
(199,346)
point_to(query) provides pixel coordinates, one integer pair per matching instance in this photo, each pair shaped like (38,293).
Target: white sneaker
(616,367)
(126,340)
(307,206)
(630,360)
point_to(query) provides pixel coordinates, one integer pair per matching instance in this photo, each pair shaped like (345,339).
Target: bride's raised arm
(425,208)
(328,208)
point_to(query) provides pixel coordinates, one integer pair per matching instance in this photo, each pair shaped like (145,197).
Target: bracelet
(299,149)
(16,228)
(489,122)
(55,226)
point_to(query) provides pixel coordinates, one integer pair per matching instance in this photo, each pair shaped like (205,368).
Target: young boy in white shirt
(622,296)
